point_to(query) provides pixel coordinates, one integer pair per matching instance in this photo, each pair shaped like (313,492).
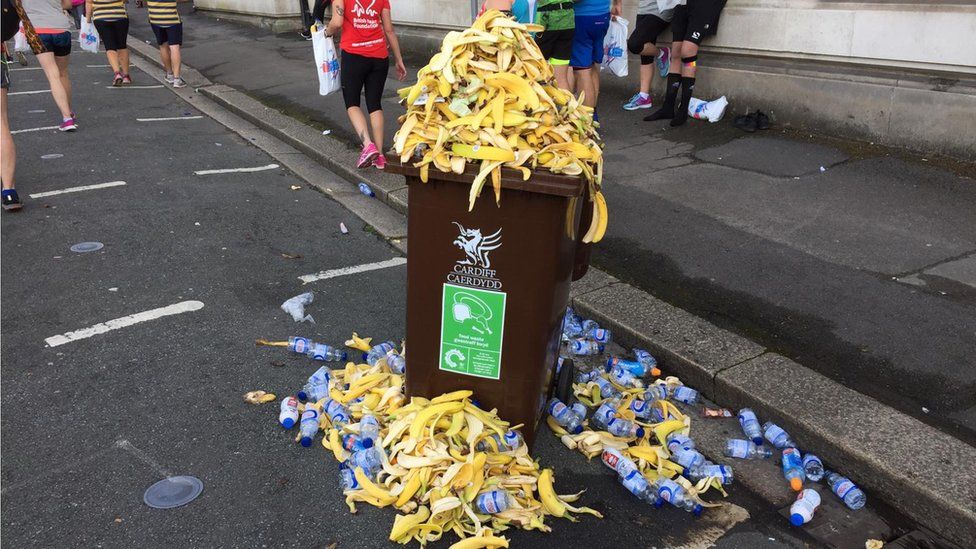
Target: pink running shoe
(68,125)
(380,162)
(370,152)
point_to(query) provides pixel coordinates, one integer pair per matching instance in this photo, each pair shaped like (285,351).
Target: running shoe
(21,58)
(68,125)
(664,61)
(178,82)
(380,162)
(370,152)
(117,79)
(126,79)
(306,35)
(170,78)
(11,202)
(638,102)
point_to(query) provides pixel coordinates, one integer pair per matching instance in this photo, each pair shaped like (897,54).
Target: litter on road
(295,306)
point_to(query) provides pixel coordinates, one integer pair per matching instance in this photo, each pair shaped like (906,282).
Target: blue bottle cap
(640,432)
(344,356)
(578,430)
(658,502)
(302,396)
(697,511)
(757,441)
(367,443)
(796,519)
(365,355)
(306,441)
(609,365)
(288,423)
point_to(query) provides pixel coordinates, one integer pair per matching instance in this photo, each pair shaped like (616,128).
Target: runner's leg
(63,76)
(50,66)
(8,153)
(176,59)
(164,56)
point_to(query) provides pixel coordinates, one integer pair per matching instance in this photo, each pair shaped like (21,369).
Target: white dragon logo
(476,247)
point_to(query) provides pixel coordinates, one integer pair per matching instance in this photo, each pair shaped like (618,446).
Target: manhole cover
(83,247)
(51,156)
(173,492)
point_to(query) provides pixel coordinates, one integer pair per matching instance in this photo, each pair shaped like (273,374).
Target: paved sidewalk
(857,261)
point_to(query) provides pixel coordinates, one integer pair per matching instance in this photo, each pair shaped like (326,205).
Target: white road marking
(27,69)
(123,322)
(237,170)
(42,128)
(322,275)
(136,87)
(97,66)
(78,189)
(168,118)
(29,92)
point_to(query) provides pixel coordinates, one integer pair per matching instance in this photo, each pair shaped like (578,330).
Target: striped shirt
(108,10)
(163,12)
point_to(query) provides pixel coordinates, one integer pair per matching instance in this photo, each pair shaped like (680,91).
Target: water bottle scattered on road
(846,490)
(689,459)
(364,188)
(317,386)
(629,475)
(493,502)
(607,390)
(299,345)
(378,351)
(624,378)
(624,428)
(746,449)
(813,467)
(593,331)
(777,436)
(750,425)
(326,353)
(677,441)
(565,417)
(648,361)
(721,472)
(497,443)
(802,510)
(336,412)
(396,362)
(355,443)
(586,377)
(369,429)
(685,394)
(309,425)
(658,391)
(585,347)
(634,367)
(347,478)
(369,460)
(647,411)
(605,413)
(288,416)
(572,324)
(673,493)
(793,468)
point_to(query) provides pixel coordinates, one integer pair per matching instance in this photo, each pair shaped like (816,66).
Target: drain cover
(173,492)
(83,247)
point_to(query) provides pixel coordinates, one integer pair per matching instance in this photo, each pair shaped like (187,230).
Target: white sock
(644,95)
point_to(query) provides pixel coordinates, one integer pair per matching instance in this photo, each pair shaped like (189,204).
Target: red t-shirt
(362,28)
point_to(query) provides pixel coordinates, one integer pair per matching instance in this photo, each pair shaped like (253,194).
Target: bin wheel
(564,383)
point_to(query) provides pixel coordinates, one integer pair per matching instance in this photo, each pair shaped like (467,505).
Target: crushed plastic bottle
(295,306)
(607,390)
(572,324)
(624,428)
(378,351)
(846,490)
(565,417)
(746,449)
(647,360)
(658,391)
(750,425)
(317,386)
(777,436)
(337,413)
(592,330)
(813,467)
(496,443)
(677,441)
(325,353)
(605,413)
(396,362)
(707,470)
(579,409)
(288,416)
(802,510)
(683,393)
(493,502)
(355,443)
(673,493)
(586,377)
(299,345)
(646,410)
(624,378)
(793,468)
(366,190)
(347,478)
(369,429)
(369,460)
(309,425)
(585,347)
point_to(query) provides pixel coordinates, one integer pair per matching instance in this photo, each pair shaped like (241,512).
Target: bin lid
(542,182)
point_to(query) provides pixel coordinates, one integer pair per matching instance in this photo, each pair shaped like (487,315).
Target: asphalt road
(88,425)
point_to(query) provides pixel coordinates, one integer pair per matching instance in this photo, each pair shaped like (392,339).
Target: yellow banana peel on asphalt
(259,397)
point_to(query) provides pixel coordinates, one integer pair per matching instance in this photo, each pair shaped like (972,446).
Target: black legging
(357,72)
(318,9)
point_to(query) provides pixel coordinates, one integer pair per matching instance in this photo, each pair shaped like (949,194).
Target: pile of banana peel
(489,97)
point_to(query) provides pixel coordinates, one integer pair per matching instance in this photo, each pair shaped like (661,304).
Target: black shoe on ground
(306,35)
(762,121)
(11,202)
(745,122)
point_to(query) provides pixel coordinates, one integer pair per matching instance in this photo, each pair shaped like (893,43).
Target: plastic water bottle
(369,460)
(396,362)
(746,449)
(793,468)
(309,425)
(646,410)
(634,367)
(493,501)
(584,347)
(801,512)
(675,494)
(607,390)
(813,467)
(317,386)
(721,472)
(299,345)
(326,353)
(677,441)
(777,436)
(496,443)
(288,416)
(579,409)
(377,352)
(624,428)
(685,394)
(364,188)
(586,377)
(347,478)
(646,359)
(572,324)
(336,412)
(624,378)
(636,484)
(605,413)
(564,416)
(750,425)
(689,459)
(355,443)
(846,490)
(657,391)
(615,460)
(593,331)
(369,430)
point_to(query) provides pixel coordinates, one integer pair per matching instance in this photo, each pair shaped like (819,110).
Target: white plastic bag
(615,47)
(707,110)
(20,41)
(295,306)
(88,36)
(326,62)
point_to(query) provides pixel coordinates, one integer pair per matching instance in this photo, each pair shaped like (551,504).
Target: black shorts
(359,72)
(646,30)
(696,20)
(59,44)
(113,33)
(170,34)
(556,45)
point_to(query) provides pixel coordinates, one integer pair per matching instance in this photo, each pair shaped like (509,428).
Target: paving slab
(960,270)
(593,280)
(773,156)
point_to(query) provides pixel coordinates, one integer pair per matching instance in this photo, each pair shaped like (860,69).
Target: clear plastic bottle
(496,443)
(646,359)
(689,459)
(750,425)
(678,441)
(802,510)
(722,472)
(624,378)
(369,460)
(636,484)
(378,351)
(493,501)
(579,409)
(396,362)
(607,390)
(586,377)
(365,189)
(683,393)
(288,416)
(355,443)
(813,467)
(658,391)
(317,386)
(336,412)
(309,425)
(585,347)
(565,416)
(793,468)
(624,428)
(615,460)
(593,331)
(605,413)
(746,449)
(347,478)
(777,436)
(673,493)
(635,368)
(846,490)
(299,345)
(646,410)
(572,324)
(369,429)
(325,353)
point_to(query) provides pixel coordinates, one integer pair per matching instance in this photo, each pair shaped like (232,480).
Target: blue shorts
(58,44)
(588,40)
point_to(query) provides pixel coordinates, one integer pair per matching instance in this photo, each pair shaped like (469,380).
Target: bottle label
(843,487)
(300,345)
(472,330)
(635,483)
(740,449)
(488,503)
(611,459)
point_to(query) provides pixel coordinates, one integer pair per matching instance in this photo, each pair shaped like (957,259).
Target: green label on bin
(472,325)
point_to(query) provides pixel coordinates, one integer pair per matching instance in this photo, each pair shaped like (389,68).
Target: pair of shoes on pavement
(68,125)
(371,156)
(11,201)
(175,81)
(121,80)
(306,34)
(751,122)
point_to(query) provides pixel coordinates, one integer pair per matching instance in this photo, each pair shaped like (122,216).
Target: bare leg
(63,75)
(688,49)
(647,71)
(584,83)
(8,154)
(358,120)
(164,57)
(376,121)
(176,57)
(595,75)
(113,59)
(50,67)
(124,60)
(562,76)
